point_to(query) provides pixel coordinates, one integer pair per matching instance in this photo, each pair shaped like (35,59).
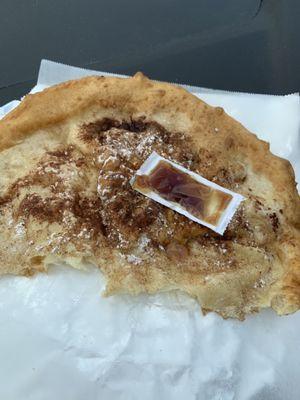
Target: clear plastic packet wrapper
(186,192)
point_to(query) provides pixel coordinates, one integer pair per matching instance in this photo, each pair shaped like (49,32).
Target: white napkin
(60,340)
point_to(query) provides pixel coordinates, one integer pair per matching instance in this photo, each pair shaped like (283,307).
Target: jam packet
(186,192)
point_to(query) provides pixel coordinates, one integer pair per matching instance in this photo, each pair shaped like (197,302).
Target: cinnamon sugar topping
(90,199)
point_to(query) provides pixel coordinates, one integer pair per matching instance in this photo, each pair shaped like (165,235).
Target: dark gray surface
(248,45)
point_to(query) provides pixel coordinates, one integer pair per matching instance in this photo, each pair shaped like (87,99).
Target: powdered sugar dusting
(132,259)
(20,229)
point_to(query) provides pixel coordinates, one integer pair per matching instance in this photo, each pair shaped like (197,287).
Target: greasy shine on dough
(66,157)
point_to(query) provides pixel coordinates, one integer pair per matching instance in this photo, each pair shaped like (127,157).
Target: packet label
(186,192)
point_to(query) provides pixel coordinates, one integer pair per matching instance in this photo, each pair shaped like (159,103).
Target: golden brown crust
(210,128)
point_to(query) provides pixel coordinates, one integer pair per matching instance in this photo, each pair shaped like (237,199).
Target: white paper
(60,340)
